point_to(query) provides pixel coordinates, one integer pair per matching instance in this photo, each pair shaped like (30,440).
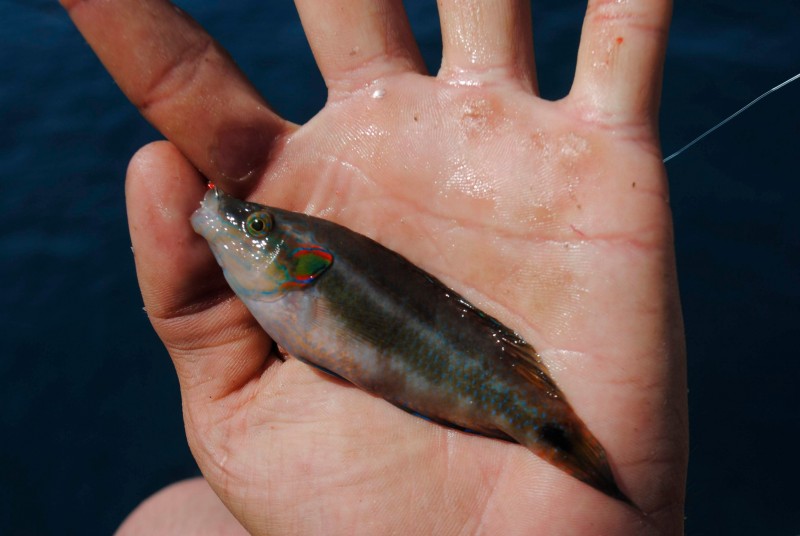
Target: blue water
(90,410)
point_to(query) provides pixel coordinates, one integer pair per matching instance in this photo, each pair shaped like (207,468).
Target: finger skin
(214,342)
(183,83)
(358,41)
(187,507)
(620,61)
(622,377)
(487,41)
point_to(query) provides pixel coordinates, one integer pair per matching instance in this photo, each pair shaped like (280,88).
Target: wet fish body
(345,303)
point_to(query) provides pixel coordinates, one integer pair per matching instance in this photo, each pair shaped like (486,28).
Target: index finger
(183,82)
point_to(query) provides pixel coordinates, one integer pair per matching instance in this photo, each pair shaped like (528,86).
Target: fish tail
(574,450)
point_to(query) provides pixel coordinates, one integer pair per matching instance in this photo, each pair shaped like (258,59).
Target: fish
(340,301)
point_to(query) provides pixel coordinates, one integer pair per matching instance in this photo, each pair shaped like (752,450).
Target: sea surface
(89,402)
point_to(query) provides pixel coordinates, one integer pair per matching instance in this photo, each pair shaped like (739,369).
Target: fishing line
(742,109)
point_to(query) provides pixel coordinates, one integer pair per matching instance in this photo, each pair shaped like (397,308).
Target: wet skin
(550,216)
(342,302)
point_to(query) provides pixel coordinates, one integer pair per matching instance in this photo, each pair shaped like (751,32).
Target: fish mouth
(206,219)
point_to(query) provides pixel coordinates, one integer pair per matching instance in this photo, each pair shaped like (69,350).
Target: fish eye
(258,224)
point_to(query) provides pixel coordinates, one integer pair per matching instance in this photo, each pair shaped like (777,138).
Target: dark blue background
(91,416)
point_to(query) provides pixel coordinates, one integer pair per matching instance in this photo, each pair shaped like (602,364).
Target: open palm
(551,216)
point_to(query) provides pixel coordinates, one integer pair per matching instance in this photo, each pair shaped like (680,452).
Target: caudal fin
(573,449)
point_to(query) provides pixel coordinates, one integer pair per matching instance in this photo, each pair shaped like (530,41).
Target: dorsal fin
(525,360)
(529,365)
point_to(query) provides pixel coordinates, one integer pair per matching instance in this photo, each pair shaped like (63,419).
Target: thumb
(216,345)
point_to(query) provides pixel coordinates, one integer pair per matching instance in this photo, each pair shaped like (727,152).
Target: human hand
(551,216)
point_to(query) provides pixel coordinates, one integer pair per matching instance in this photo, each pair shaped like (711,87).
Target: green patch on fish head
(263,252)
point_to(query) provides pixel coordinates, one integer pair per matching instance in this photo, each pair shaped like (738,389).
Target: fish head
(264,252)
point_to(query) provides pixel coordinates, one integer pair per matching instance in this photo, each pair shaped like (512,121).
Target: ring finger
(487,41)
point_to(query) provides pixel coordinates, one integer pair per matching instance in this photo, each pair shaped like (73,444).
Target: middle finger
(357,41)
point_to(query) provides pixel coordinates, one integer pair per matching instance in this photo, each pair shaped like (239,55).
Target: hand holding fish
(550,216)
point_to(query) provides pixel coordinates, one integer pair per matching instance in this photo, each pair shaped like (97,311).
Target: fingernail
(240,151)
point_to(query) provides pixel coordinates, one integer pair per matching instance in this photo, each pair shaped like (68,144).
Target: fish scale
(341,301)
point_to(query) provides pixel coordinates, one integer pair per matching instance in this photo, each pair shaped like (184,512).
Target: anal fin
(321,368)
(486,432)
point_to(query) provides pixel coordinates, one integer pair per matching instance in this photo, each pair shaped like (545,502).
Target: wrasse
(341,301)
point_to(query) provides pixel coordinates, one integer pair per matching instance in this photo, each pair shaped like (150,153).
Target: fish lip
(204,220)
